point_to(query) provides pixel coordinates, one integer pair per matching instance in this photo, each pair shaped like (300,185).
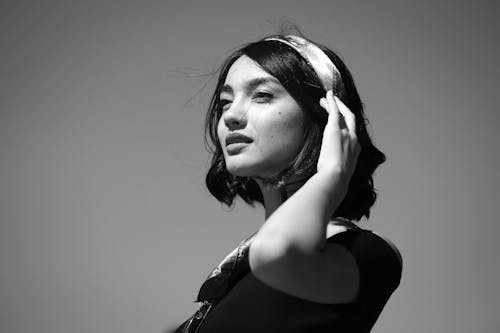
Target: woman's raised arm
(289,250)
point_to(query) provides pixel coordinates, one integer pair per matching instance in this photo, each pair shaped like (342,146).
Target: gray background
(106,225)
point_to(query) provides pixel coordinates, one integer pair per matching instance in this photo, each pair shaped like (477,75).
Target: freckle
(279,113)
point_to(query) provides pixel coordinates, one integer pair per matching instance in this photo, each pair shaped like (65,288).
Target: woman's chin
(239,172)
(240,169)
(247,171)
(245,167)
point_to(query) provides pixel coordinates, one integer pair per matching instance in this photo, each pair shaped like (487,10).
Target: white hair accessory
(327,72)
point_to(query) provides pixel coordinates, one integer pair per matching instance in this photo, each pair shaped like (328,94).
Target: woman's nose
(235,116)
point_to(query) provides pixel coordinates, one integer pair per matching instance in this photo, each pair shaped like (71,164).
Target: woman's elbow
(268,251)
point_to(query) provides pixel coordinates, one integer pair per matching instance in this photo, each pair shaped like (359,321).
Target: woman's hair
(303,84)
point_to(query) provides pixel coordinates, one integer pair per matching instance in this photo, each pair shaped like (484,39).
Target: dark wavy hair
(303,84)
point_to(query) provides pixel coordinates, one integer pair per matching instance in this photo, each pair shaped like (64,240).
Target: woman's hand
(340,148)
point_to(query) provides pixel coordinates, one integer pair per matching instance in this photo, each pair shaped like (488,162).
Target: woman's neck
(274,197)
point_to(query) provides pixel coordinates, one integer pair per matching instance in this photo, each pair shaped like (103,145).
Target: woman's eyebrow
(252,84)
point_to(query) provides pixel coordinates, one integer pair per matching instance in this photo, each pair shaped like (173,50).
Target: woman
(288,131)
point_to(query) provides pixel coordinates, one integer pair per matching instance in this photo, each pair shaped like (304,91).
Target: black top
(252,306)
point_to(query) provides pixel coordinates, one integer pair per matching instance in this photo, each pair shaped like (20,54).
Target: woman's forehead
(245,73)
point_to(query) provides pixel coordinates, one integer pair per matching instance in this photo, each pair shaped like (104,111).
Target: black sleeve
(379,267)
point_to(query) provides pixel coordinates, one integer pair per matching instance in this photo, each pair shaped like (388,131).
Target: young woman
(288,131)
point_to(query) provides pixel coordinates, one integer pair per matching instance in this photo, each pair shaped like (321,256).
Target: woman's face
(261,127)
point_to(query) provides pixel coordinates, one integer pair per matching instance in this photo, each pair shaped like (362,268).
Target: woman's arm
(301,221)
(289,250)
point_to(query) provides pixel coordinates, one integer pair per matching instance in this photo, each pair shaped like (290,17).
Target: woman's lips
(235,148)
(235,142)
(237,138)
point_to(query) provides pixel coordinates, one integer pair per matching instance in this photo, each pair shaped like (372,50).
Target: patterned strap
(218,283)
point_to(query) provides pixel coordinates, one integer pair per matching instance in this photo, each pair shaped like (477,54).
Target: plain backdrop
(105,222)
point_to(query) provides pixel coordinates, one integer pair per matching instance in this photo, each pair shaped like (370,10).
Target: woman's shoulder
(362,241)
(377,259)
(389,243)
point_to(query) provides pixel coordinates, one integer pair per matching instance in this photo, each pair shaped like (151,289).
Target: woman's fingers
(324,104)
(333,109)
(328,103)
(340,147)
(350,120)
(349,117)
(331,104)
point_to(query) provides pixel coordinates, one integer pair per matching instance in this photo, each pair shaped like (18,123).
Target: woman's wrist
(332,181)
(333,187)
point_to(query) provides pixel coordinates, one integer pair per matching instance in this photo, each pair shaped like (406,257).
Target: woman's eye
(224,104)
(263,96)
